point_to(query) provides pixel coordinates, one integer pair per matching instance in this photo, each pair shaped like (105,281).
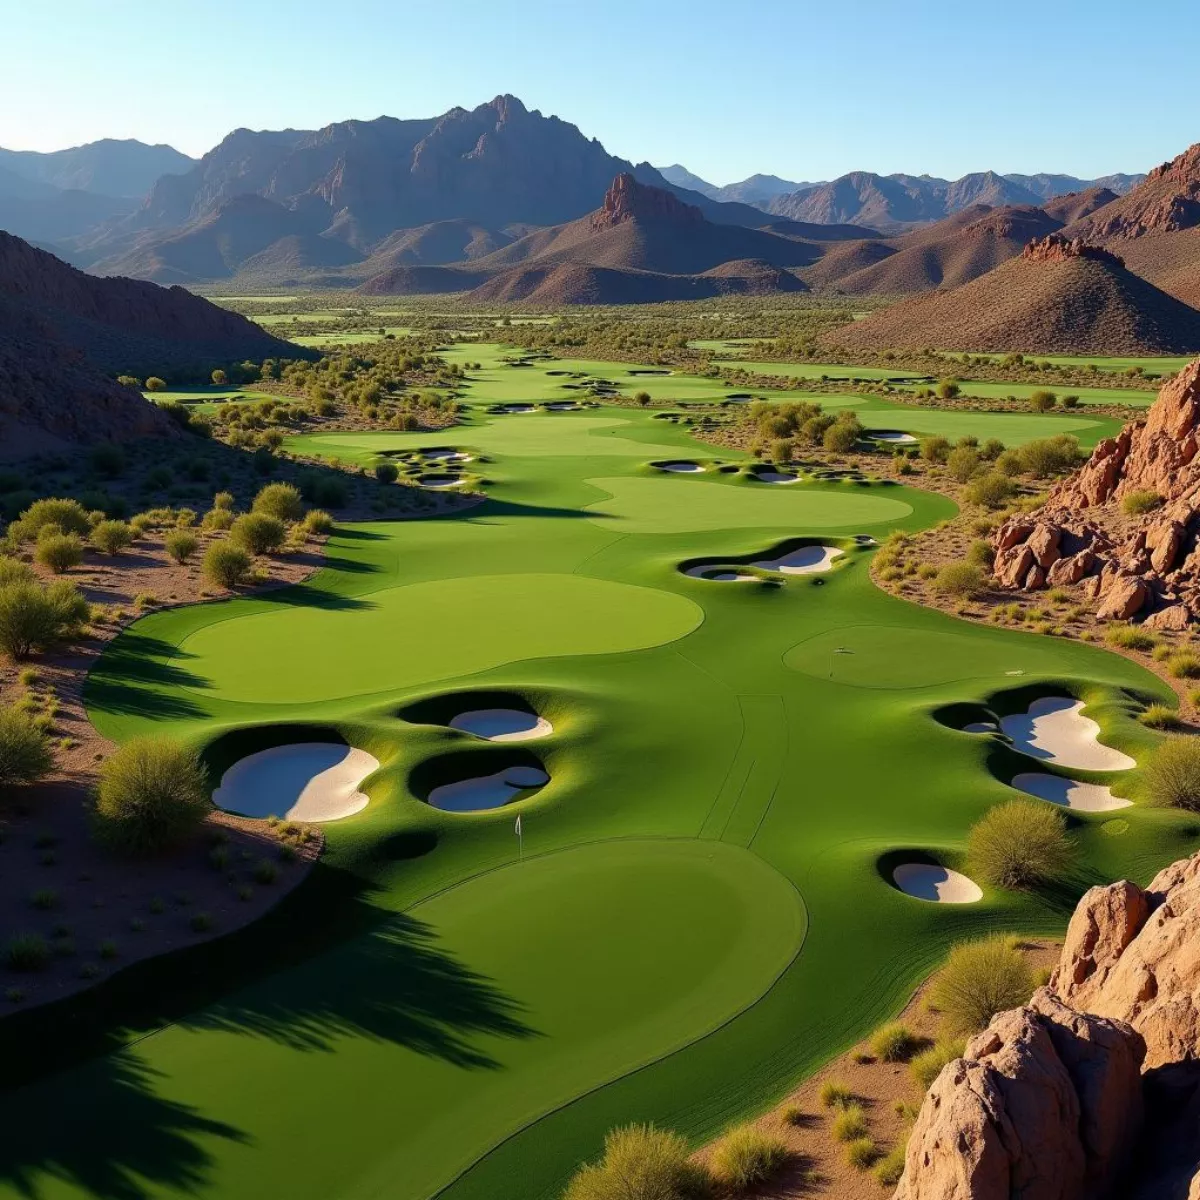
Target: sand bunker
(1054,730)
(679,466)
(516,408)
(775,477)
(890,435)
(440,481)
(927,881)
(487,791)
(447,455)
(309,781)
(502,724)
(1085,797)
(719,575)
(563,406)
(864,539)
(980,727)
(804,561)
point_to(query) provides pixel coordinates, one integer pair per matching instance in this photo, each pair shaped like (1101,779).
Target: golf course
(720,751)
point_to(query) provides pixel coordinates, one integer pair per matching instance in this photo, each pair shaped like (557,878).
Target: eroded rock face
(1152,566)
(628,200)
(1054,247)
(1044,1105)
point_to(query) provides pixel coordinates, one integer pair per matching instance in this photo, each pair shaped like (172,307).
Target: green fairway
(698,912)
(820,370)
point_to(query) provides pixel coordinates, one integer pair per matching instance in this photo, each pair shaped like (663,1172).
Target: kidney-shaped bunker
(482,792)
(306,781)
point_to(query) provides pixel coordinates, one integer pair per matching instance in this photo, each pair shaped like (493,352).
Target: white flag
(517,827)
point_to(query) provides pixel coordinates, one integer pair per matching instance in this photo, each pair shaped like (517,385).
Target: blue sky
(803,90)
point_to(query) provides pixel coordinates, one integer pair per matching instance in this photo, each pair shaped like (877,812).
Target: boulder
(1071,569)
(1043,541)
(1172,617)
(1044,1105)
(1125,598)
(1012,566)
(1164,543)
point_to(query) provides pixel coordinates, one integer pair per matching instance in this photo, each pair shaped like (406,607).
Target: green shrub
(1184,665)
(1137,504)
(226,565)
(935,449)
(747,1156)
(980,979)
(1160,716)
(841,437)
(34,618)
(111,537)
(962,463)
(258,533)
(947,389)
(891,1166)
(386,472)
(69,516)
(894,1042)
(927,1065)
(13,570)
(1042,401)
(318,521)
(641,1163)
(981,555)
(218,519)
(59,552)
(25,754)
(180,544)
(279,500)
(1049,456)
(861,1153)
(1020,844)
(26,952)
(961,579)
(1172,777)
(152,794)
(1129,637)
(835,1094)
(155,384)
(993,490)
(223,500)
(850,1123)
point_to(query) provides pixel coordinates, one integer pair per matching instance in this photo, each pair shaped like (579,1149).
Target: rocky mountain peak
(628,200)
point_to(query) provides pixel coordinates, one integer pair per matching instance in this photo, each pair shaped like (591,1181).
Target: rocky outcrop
(1056,248)
(1147,565)
(1045,1105)
(1092,1090)
(1167,201)
(628,200)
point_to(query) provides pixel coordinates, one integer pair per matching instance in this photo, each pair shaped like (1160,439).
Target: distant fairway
(696,915)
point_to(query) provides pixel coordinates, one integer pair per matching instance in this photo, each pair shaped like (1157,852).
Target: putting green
(685,505)
(412,635)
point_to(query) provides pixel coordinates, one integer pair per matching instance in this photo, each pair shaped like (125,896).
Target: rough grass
(747,1156)
(850,1123)
(1020,844)
(980,979)
(1129,637)
(835,1094)
(641,1161)
(894,1042)
(926,1066)
(1172,777)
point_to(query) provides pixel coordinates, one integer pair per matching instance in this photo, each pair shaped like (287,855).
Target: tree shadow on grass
(306,595)
(111,1139)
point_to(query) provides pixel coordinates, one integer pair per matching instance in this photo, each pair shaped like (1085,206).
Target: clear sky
(803,89)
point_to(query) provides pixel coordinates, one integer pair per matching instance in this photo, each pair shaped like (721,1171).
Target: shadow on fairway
(305,595)
(511,508)
(133,666)
(133,1144)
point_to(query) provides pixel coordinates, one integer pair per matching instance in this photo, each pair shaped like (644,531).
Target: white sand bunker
(889,435)
(926,881)
(562,405)
(1054,729)
(804,561)
(447,455)
(679,466)
(441,481)
(1085,797)
(502,724)
(487,791)
(864,539)
(309,781)
(517,408)
(775,477)
(980,727)
(719,575)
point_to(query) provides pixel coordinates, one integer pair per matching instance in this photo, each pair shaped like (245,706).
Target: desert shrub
(991,449)
(1020,844)
(841,437)
(1160,716)
(59,552)
(68,516)
(835,1094)
(35,618)
(318,521)
(1049,456)
(1184,665)
(640,1161)
(1137,504)
(993,490)
(1129,637)
(180,544)
(962,463)
(781,450)
(891,1166)
(1042,401)
(981,555)
(258,532)
(13,570)
(947,389)
(935,449)
(217,520)
(26,952)
(152,794)
(747,1156)
(223,500)
(1070,402)
(25,754)
(980,979)
(861,1153)
(894,1042)
(961,579)
(111,537)
(850,1123)
(226,565)
(155,384)
(1172,778)
(386,472)
(329,492)
(926,1066)
(279,500)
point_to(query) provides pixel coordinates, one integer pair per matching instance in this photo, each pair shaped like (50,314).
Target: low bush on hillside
(1137,504)
(835,1094)
(181,544)
(1129,637)
(962,463)
(67,516)
(13,570)
(981,555)
(748,1156)
(850,1123)
(1020,844)
(894,1042)
(25,754)
(935,449)
(1042,401)
(111,537)
(35,618)
(926,1066)
(991,490)
(226,565)
(279,500)
(861,1153)
(980,979)
(1160,716)
(891,1166)
(59,552)
(641,1161)
(152,794)
(258,533)
(1184,665)
(319,522)
(961,579)
(386,472)
(1172,777)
